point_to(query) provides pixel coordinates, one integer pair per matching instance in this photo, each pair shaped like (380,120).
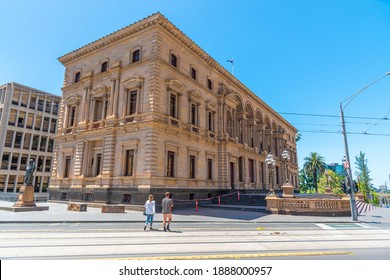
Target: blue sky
(299,56)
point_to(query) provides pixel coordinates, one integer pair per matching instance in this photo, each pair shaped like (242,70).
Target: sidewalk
(58,213)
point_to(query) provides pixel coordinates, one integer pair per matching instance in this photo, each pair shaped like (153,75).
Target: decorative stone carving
(133,82)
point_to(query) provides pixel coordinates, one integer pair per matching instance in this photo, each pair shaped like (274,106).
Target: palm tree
(314,164)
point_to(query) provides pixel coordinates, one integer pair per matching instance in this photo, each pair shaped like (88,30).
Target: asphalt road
(195,240)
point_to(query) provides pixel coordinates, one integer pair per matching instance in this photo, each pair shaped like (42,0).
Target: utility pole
(354,212)
(347,167)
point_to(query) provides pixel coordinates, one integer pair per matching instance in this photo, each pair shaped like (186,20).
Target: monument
(26,194)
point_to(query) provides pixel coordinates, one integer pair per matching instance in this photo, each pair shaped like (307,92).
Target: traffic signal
(344,187)
(355,186)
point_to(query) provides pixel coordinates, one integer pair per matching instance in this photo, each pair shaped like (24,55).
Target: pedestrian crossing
(363,207)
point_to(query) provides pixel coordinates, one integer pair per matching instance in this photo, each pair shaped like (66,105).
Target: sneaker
(144,227)
(151,228)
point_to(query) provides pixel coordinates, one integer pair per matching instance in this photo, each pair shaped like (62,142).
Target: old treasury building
(145,110)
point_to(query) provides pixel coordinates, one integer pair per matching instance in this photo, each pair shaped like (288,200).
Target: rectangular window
(38,120)
(172,106)
(15,98)
(23,162)
(251,167)
(24,100)
(41,102)
(77,77)
(42,147)
(33,102)
(72,115)
(40,163)
(241,169)
(209,169)
(173,60)
(104,66)
(45,184)
(50,146)
(192,166)
(53,126)
(194,114)
(98,170)
(5,161)
(48,106)
(210,84)
(170,164)
(11,183)
(45,127)
(55,107)
(136,56)
(12,117)
(193,73)
(9,138)
(18,140)
(129,163)
(21,119)
(2,180)
(30,121)
(98,114)
(210,123)
(35,141)
(14,161)
(68,161)
(132,102)
(27,140)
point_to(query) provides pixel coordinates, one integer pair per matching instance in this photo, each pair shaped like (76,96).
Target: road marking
(324,226)
(341,226)
(239,256)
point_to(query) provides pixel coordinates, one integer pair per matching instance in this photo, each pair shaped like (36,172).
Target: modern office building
(337,168)
(28,120)
(145,110)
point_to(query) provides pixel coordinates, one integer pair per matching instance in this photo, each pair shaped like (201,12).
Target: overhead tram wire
(332,116)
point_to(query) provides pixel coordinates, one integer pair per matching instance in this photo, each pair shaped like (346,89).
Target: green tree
(314,164)
(306,182)
(363,174)
(333,180)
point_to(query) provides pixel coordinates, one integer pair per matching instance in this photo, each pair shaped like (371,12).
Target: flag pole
(232,62)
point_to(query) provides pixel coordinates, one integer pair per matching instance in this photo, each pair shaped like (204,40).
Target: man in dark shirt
(167,204)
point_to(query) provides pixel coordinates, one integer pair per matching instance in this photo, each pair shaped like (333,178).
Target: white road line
(324,226)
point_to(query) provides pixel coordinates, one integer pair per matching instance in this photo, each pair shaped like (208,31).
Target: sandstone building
(145,110)
(28,120)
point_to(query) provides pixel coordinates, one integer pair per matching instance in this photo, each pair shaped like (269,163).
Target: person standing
(150,209)
(167,205)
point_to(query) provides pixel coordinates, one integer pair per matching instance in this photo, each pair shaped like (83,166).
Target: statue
(28,177)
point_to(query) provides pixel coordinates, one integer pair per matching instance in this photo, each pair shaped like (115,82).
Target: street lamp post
(270,161)
(286,158)
(347,161)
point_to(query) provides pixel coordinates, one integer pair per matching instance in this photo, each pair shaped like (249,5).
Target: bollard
(219,200)
(196,205)
(238,196)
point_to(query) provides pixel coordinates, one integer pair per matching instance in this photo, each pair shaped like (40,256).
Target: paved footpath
(58,213)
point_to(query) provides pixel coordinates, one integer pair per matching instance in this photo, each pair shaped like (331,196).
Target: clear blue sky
(299,56)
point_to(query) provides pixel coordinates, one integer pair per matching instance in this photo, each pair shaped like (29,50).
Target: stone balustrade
(308,206)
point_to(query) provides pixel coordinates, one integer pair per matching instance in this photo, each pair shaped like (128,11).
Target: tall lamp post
(344,132)
(286,157)
(270,161)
